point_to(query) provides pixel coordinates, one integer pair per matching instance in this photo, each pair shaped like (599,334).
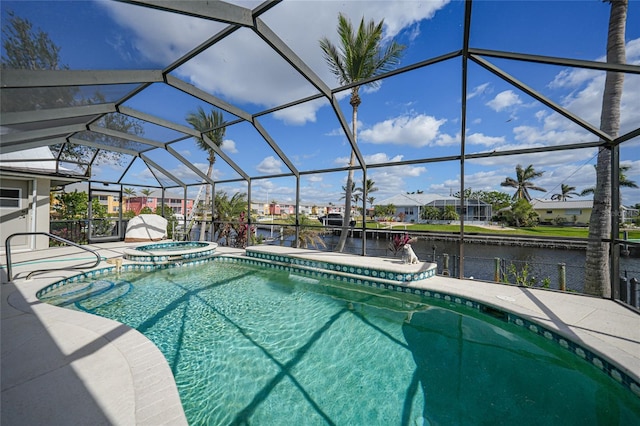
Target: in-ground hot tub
(171,251)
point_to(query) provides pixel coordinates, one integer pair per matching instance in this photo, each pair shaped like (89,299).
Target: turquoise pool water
(173,246)
(255,346)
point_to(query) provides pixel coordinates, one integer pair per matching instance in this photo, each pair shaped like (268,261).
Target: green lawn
(538,231)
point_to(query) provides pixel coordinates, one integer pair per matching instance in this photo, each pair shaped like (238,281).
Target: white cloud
(585,99)
(377,158)
(381,158)
(540,114)
(504,100)
(301,114)
(480,139)
(447,140)
(417,131)
(572,79)
(393,180)
(478,90)
(389,180)
(270,165)
(480,181)
(229,146)
(257,75)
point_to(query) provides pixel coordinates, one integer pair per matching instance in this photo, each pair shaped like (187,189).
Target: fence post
(445,265)
(625,294)
(496,269)
(633,290)
(562,276)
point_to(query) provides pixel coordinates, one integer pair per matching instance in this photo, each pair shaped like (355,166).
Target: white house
(26,178)
(411,205)
(573,211)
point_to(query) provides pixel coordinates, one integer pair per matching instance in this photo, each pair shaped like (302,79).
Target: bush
(560,221)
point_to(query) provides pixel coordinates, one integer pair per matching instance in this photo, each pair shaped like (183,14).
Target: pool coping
(142,374)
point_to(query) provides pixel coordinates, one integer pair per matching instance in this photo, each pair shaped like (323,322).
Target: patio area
(66,367)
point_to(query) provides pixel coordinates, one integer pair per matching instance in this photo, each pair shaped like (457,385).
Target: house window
(408,211)
(10,198)
(549,211)
(573,212)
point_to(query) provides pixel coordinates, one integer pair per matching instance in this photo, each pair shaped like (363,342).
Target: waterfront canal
(542,264)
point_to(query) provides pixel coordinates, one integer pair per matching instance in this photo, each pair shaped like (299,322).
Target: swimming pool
(249,345)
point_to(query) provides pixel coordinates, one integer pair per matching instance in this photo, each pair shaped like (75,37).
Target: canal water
(541,265)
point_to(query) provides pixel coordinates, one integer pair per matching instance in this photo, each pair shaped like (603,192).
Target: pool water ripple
(248,345)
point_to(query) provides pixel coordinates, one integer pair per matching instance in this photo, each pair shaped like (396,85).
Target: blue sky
(411,116)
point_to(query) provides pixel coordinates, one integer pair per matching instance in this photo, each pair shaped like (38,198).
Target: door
(15,213)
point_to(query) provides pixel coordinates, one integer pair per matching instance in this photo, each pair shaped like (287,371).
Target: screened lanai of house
(480,87)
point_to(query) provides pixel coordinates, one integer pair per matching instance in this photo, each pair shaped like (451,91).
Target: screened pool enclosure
(480,88)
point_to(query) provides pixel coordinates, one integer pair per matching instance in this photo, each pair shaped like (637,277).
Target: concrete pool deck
(65,367)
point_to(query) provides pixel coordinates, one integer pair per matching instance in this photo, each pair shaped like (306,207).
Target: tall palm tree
(522,182)
(370,200)
(360,55)
(212,126)
(368,187)
(597,268)
(130,192)
(147,193)
(566,191)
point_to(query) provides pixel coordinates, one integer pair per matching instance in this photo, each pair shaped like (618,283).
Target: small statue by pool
(408,255)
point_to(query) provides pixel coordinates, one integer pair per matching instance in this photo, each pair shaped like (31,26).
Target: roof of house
(541,204)
(37,162)
(413,199)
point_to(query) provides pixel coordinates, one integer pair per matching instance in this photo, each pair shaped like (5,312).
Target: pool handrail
(7,245)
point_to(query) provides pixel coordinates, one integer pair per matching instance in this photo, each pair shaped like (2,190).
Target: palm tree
(227,209)
(370,200)
(597,268)
(147,193)
(522,182)
(623,181)
(359,56)
(307,234)
(212,126)
(369,187)
(566,191)
(355,196)
(130,192)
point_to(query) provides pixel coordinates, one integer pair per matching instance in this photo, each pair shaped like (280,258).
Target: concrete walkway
(66,367)
(63,367)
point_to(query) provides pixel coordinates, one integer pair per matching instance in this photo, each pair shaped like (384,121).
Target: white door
(15,213)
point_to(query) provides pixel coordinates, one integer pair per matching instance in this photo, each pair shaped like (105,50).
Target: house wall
(113,204)
(42,217)
(549,215)
(31,216)
(411,213)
